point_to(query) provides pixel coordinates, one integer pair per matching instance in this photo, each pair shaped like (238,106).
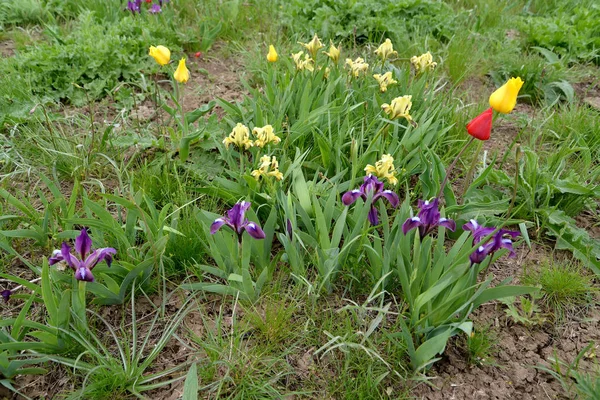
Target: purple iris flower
(236,220)
(371,185)
(134,6)
(6,295)
(428,219)
(155,9)
(87,259)
(502,239)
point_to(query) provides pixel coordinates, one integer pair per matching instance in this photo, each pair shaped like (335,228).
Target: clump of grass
(480,345)
(564,287)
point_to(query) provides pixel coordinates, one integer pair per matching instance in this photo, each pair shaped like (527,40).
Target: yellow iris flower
(239,136)
(384,169)
(386,50)
(423,63)
(334,53)
(265,135)
(302,64)
(399,108)
(313,46)
(268,167)
(384,81)
(357,67)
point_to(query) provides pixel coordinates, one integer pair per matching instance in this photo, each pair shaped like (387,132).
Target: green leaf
(190,387)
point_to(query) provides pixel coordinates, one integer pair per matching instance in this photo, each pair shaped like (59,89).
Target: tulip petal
(481,126)
(83,244)
(255,231)
(410,224)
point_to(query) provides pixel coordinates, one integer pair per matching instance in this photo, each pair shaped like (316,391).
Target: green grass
(565,288)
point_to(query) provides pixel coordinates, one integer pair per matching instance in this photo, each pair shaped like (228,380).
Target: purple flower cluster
(371,185)
(135,6)
(237,221)
(428,219)
(86,260)
(502,239)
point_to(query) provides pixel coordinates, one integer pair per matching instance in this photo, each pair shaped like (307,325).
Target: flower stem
(451,167)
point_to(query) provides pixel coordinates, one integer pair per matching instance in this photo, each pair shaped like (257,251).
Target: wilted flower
(423,63)
(384,169)
(181,75)
(239,136)
(399,108)
(480,127)
(154,9)
(87,259)
(264,136)
(384,80)
(504,98)
(161,54)
(386,50)
(372,186)
(268,167)
(333,53)
(272,55)
(357,67)
(237,221)
(301,64)
(502,239)
(427,219)
(6,295)
(313,46)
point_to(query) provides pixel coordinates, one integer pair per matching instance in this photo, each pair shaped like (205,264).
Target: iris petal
(255,231)
(83,244)
(411,224)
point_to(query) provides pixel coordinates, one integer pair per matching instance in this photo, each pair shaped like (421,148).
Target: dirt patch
(7,48)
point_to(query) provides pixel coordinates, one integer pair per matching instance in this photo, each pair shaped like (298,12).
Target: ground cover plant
(266,199)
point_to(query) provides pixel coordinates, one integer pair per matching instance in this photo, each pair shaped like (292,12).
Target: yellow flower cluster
(399,108)
(357,67)
(302,64)
(384,169)
(423,63)
(239,136)
(384,81)
(386,50)
(264,136)
(268,167)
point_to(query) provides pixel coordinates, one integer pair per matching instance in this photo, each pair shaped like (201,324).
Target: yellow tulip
(384,169)
(272,55)
(399,108)
(239,136)
(264,136)
(161,54)
(423,63)
(386,50)
(384,80)
(504,98)
(334,53)
(181,75)
(313,46)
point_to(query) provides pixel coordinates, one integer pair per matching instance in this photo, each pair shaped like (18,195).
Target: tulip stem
(514,193)
(451,167)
